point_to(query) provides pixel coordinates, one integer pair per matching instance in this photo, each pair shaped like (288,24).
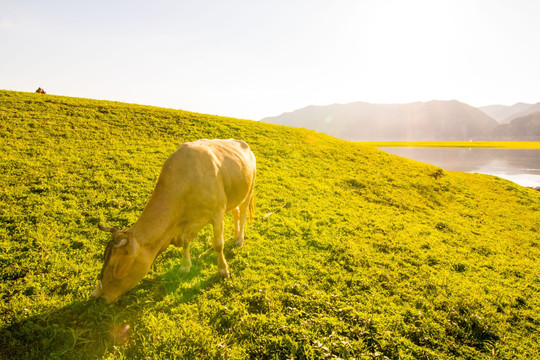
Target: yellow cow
(198,184)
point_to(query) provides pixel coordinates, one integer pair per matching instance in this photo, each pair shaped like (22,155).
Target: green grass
(353,252)
(457,144)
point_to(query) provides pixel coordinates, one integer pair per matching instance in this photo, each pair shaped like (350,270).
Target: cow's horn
(121,243)
(108,229)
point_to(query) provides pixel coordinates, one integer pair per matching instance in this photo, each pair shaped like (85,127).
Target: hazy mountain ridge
(528,125)
(434,120)
(505,114)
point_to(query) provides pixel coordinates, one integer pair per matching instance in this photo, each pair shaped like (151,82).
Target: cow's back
(237,168)
(210,173)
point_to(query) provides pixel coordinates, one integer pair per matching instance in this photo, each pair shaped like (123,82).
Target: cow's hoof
(184,269)
(239,242)
(224,273)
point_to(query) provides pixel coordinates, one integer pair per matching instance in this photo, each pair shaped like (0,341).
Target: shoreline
(455,144)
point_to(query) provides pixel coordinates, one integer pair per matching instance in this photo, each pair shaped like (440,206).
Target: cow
(198,184)
(40,91)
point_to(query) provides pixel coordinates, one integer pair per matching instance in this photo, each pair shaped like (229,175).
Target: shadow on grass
(78,330)
(87,329)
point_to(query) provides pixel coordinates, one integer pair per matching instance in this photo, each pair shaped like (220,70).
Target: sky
(253,59)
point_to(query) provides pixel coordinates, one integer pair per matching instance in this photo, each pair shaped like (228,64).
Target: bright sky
(252,59)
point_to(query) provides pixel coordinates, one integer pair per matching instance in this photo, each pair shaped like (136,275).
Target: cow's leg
(236,216)
(218,243)
(188,233)
(243,212)
(185,264)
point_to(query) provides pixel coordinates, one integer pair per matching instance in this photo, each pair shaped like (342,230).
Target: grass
(457,144)
(353,252)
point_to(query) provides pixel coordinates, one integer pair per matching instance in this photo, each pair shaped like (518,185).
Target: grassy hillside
(353,253)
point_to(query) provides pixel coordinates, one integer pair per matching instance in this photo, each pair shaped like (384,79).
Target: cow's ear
(125,261)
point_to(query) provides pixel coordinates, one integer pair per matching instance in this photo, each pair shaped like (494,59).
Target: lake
(521,166)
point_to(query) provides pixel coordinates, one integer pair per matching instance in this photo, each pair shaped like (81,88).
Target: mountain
(522,128)
(360,121)
(505,114)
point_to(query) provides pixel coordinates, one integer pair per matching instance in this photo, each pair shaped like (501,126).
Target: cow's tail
(251,207)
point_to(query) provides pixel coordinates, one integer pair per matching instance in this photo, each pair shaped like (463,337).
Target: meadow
(353,253)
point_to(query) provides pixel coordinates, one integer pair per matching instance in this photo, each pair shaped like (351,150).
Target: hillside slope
(353,253)
(420,121)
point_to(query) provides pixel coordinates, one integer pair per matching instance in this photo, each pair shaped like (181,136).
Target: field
(457,144)
(353,253)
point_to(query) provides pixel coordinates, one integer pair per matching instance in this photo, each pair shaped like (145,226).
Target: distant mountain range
(505,114)
(433,120)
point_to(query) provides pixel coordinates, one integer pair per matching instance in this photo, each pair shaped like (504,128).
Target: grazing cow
(40,91)
(198,184)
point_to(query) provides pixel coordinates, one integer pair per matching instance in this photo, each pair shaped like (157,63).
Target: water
(521,166)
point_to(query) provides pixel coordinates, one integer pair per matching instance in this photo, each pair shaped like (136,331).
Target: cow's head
(124,266)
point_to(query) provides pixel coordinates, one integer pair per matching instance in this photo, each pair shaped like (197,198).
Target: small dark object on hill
(437,174)
(40,91)
(535,188)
